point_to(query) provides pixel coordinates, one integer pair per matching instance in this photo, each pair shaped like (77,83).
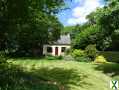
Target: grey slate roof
(64,39)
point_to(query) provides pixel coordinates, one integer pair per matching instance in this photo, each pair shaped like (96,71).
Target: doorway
(56,50)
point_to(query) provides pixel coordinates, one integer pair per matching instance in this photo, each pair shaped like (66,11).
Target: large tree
(27,24)
(107,19)
(106,28)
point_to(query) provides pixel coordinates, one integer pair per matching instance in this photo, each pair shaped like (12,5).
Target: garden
(91,62)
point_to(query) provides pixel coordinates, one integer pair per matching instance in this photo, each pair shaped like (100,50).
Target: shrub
(68,58)
(100,59)
(79,55)
(91,51)
(68,51)
(50,57)
(59,57)
(83,59)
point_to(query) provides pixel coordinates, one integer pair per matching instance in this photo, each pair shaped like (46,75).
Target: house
(59,47)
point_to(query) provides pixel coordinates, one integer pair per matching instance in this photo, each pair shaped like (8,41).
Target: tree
(104,24)
(87,36)
(25,23)
(109,24)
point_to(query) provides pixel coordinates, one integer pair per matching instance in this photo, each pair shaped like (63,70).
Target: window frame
(63,49)
(49,49)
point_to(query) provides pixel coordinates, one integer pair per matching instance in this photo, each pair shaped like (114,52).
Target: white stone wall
(53,49)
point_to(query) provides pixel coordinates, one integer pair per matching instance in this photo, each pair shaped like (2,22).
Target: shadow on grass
(15,78)
(38,58)
(60,77)
(26,58)
(111,69)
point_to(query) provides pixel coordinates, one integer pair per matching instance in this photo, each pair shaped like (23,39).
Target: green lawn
(68,75)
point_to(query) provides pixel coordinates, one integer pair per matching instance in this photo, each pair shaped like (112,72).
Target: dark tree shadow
(111,69)
(48,78)
(27,58)
(60,77)
(15,78)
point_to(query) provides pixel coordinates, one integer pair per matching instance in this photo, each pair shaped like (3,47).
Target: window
(63,49)
(49,49)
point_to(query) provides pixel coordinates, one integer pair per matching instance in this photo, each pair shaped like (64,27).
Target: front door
(56,50)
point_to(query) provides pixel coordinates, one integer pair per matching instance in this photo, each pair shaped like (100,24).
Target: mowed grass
(66,75)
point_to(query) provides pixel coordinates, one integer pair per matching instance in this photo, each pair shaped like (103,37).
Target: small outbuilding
(59,47)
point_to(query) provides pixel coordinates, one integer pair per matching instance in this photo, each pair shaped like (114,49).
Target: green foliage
(115,40)
(74,30)
(68,57)
(77,29)
(50,57)
(33,36)
(91,51)
(107,19)
(68,51)
(102,25)
(67,29)
(86,37)
(79,55)
(83,59)
(3,57)
(23,27)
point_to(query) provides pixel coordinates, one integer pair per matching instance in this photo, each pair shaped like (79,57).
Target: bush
(100,59)
(91,51)
(50,57)
(79,55)
(59,57)
(83,59)
(68,51)
(68,58)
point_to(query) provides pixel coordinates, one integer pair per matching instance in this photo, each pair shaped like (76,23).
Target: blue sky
(78,11)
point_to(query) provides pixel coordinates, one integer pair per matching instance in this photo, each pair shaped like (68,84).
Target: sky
(78,11)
